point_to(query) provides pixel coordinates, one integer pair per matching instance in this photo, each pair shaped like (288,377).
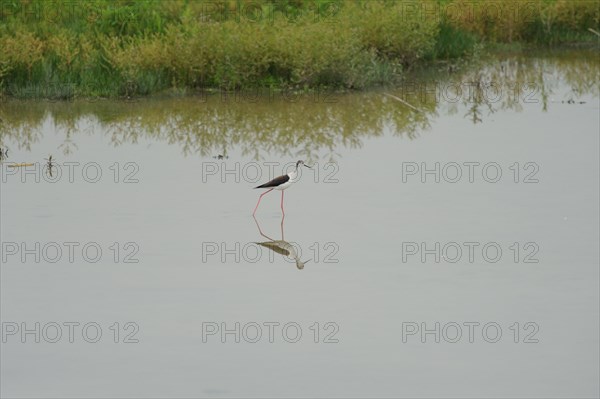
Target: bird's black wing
(278,181)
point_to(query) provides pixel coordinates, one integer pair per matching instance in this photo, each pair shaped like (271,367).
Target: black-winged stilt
(280,183)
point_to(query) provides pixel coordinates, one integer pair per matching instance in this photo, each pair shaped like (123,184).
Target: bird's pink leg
(259,198)
(282,211)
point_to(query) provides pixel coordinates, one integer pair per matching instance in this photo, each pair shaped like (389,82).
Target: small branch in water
(403,102)
(593,31)
(20,165)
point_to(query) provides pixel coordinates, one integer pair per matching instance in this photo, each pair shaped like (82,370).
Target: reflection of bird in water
(220,156)
(280,183)
(284,248)
(3,153)
(281,247)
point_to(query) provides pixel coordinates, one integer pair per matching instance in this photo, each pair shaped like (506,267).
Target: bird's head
(301,163)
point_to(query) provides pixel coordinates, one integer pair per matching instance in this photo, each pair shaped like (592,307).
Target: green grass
(104,48)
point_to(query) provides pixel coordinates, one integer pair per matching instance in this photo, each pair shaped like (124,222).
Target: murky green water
(468,199)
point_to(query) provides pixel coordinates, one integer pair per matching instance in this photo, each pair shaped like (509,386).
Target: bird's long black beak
(309,167)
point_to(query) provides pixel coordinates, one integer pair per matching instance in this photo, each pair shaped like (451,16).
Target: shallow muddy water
(447,240)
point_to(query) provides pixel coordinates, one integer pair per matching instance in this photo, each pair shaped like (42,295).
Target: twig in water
(20,165)
(403,102)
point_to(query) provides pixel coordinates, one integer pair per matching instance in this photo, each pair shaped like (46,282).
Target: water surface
(175,193)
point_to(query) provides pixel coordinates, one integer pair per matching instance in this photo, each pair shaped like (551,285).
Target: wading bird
(280,183)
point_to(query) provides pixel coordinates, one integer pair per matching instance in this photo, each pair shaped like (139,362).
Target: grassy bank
(130,48)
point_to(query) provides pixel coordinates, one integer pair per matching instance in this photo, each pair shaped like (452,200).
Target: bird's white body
(292,175)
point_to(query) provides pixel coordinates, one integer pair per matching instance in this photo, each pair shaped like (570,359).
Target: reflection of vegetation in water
(514,81)
(213,124)
(290,125)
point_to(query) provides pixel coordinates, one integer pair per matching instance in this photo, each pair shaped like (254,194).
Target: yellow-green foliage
(299,52)
(576,14)
(518,20)
(126,47)
(393,31)
(22,50)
